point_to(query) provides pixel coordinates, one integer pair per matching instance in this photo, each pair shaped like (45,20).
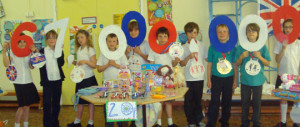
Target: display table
(286,95)
(170,93)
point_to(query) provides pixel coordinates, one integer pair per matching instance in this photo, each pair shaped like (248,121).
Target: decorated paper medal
(77,74)
(11,73)
(37,60)
(176,50)
(197,69)
(224,66)
(134,62)
(252,67)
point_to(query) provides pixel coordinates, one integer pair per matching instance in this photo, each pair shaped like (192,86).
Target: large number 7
(29,26)
(62,25)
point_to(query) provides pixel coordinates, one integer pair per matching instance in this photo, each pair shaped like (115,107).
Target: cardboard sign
(121,111)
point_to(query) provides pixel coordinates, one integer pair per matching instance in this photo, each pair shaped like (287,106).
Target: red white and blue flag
(267,9)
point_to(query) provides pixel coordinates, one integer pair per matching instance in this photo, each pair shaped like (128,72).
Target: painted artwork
(39,35)
(73,31)
(9,28)
(2,13)
(159,10)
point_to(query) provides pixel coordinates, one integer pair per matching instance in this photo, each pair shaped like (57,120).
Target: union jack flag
(268,7)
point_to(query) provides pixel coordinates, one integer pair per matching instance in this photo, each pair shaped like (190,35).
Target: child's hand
(5,46)
(245,54)
(81,62)
(234,85)
(74,62)
(257,54)
(285,43)
(177,60)
(192,55)
(137,50)
(208,84)
(111,62)
(128,49)
(33,48)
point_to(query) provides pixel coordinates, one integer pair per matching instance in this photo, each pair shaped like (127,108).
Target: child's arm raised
(5,57)
(242,56)
(279,56)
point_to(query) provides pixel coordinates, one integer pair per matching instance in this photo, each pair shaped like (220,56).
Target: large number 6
(29,26)
(62,25)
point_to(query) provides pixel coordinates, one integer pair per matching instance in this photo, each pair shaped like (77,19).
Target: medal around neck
(11,73)
(77,74)
(197,69)
(262,37)
(176,50)
(224,66)
(122,42)
(37,60)
(252,67)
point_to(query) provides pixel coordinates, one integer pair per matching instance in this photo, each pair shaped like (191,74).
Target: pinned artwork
(37,60)
(73,30)
(2,13)
(77,74)
(182,38)
(39,35)
(9,28)
(62,25)
(159,10)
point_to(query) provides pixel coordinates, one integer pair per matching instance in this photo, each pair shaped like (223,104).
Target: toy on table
(179,78)
(165,71)
(287,81)
(295,88)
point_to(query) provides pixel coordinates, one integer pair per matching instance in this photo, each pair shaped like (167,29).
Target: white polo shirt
(23,69)
(163,59)
(86,54)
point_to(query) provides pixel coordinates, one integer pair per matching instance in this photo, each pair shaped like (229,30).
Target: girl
(51,80)
(26,91)
(86,58)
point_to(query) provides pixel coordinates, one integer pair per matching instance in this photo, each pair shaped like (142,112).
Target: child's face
(288,28)
(223,35)
(51,41)
(134,33)
(22,44)
(162,38)
(251,35)
(112,43)
(192,35)
(81,39)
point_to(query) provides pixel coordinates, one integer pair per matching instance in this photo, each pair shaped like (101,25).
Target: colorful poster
(2,13)
(9,28)
(39,35)
(159,10)
(73,31)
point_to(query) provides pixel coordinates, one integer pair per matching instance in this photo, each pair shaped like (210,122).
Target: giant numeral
(26,26)
(62,25)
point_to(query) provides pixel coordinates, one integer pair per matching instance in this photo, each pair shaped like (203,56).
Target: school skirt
(91,81)
(26,94)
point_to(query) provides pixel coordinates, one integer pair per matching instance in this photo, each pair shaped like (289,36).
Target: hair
(88,38)
(51,32)
(162,30)
(190,26)
(21,34)
(222,25)
(133,25)
(253,27)
(158,72)
(111,35)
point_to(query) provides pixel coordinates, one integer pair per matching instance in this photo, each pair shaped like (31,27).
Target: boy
(137,56)
(162,35)
(220,82)
(193,97)
(252,81)
(287,56)
(110,68)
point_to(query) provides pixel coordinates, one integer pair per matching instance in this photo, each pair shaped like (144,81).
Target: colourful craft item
(286,94)
(77,74)
(11,73)
(158,96)
(37,60)
(152,36)
(295,88)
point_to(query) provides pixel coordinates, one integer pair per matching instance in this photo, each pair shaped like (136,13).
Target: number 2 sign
(121,111)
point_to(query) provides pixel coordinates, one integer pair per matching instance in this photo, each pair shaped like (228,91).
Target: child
(110,68)
(137,56)
(86,58)
(193,97)
(252,84)
(162,35)
(220,83)
(26,91)
(287,56)
(52,76)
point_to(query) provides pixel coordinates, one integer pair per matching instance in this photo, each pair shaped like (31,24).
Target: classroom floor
(68,114)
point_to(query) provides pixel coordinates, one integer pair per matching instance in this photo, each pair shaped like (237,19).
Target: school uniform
(193,97)
(89,78)
(51,79)
(220,84)
(26,91)
(251,84)
(135,60)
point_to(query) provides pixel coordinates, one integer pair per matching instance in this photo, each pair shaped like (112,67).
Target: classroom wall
(183,11)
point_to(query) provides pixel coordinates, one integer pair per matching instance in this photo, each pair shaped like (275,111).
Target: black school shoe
(89,125)
(156,125)
(173,125)
(295,125)
(281,124)
(74,125)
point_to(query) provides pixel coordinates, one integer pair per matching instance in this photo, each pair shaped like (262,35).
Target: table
(180,92)
(3,94)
